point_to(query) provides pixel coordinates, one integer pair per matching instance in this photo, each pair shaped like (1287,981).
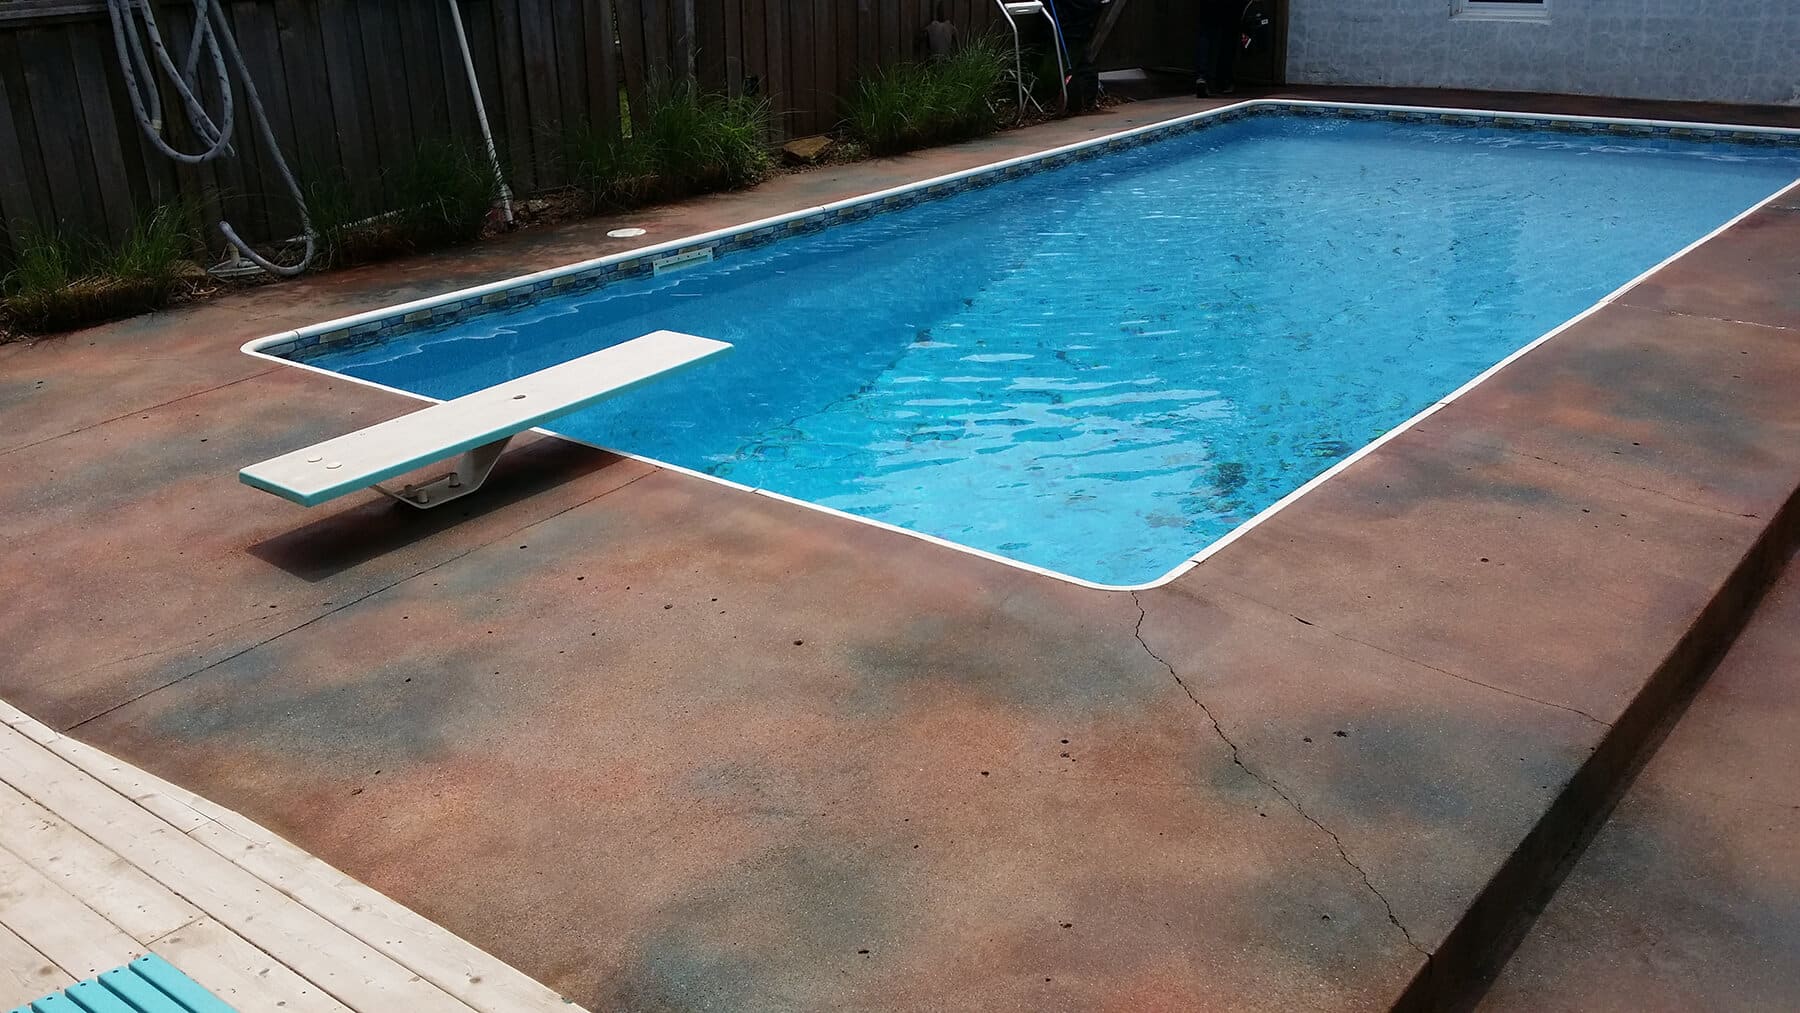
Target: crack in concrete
(1706,316)
(1458,676)
(1475,441)
(1662,494)
(1237,759)
(136,411)
(1503,691)
(172,649)
(506,536)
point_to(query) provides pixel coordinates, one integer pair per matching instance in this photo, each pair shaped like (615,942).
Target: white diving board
(476,426)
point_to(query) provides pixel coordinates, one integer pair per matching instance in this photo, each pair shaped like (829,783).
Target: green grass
(444,193)
(915,105)
(59,283)
(687,142)
(613,172)
(440,195)
(699,142)
(340,213)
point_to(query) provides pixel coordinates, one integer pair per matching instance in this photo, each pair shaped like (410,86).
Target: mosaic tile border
(309,343)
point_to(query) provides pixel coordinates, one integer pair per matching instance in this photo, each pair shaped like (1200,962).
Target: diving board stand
(478,426)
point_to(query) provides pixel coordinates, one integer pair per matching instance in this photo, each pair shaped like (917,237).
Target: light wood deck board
(319,951)
(25,973)
(248,979)
(186,868)
(143,908)
(72,935)
(432,952)
(140,786)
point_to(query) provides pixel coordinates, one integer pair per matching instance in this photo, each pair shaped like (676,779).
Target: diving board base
(471,470)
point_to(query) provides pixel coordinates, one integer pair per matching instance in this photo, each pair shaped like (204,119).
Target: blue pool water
(1104,368)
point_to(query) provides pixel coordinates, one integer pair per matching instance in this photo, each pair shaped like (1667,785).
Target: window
(1500,10)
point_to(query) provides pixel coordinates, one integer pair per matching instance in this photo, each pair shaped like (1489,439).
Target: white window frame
(1489,10)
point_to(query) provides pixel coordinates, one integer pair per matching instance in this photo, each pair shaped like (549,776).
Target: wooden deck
(101,862)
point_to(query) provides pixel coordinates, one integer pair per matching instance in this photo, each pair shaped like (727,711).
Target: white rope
(212,34)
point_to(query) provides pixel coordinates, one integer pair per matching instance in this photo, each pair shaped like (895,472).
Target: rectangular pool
(1101,368)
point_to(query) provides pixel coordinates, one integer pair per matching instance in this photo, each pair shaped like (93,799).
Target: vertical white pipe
(487,135)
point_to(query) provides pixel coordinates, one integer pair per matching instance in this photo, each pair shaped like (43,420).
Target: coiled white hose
(212,34)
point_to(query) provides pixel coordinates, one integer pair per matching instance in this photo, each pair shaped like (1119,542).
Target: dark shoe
(1225,89)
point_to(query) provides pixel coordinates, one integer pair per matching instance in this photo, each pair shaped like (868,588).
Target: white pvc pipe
(487,135)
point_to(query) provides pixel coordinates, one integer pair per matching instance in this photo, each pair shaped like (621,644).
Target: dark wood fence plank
(844,49)
(205,184)
(571,69)
(542,89)
(709,44)
(509,89)
(825,63)
(150,176)
(258,40)
(420,53)
(101,133)
(635,54)
(776,84)
(657,54)
(484,48)
(681,37)
(603,65)
(734,47)
(756,44)
(17,207)
(50,86)
(348,86)
(36,212)
(801,67)
(890,31)
(305,72)
(392,117)
(458,104)
(868,39)
(352,87)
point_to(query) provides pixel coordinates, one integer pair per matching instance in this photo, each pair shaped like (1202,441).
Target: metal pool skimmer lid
(148,984)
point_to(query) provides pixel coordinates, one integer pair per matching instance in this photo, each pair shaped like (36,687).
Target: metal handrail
(1009,8)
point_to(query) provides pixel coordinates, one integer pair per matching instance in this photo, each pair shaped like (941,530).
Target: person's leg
(1079,18)
(1226,37)
(1203,46)
(1215,46)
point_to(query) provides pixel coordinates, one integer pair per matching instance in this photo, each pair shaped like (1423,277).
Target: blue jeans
(1216,41)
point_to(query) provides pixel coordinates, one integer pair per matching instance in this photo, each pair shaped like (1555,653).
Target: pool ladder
(1012,10)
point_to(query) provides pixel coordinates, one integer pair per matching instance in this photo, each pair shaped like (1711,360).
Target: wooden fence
(360,83)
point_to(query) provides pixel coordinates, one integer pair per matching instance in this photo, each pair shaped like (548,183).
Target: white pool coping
(255,348)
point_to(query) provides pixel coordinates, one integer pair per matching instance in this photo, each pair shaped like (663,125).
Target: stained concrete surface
(664,744)
(1689,896)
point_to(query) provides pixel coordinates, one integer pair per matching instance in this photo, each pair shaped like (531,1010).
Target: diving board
(477,426)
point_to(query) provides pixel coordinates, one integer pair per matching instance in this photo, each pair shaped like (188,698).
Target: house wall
(1705,50)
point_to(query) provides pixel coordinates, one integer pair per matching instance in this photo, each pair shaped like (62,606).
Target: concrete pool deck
(661,744)
(1685,898)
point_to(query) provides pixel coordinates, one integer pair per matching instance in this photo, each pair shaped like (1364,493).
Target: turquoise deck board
(148,984)
(142,996)
(94,997)
(176,985)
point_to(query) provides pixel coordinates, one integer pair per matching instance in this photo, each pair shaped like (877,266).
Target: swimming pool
(1103,367)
